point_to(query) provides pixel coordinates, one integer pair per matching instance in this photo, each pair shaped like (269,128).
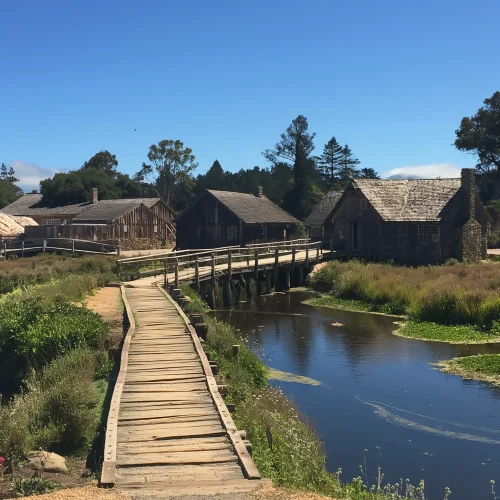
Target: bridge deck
(173,431)
(188,273)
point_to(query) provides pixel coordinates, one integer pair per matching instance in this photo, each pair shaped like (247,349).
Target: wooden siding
(162,210)
(209,224)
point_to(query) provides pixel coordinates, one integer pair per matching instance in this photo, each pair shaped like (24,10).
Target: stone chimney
(260,192)
(469,188)
(95,196)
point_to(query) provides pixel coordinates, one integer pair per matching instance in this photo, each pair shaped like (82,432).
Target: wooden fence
(23,247)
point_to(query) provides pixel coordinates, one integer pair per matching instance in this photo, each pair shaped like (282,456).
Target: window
(363,205)
(125,228)
(155,228)
(423,233)
(434,233)
(51,222)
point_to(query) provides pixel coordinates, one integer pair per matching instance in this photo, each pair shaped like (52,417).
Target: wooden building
(411,221)
(225,218)
(12,226)
(97,219)
(319,221)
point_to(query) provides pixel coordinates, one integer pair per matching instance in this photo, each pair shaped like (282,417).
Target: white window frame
(423,233)
(52,222)
(434,232)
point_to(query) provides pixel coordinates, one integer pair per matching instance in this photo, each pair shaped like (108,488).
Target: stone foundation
(471,241)
(143,243)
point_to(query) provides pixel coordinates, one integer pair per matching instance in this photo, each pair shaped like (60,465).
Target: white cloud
(30,175)
(432,171)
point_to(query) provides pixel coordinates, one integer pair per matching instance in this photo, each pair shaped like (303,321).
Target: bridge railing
(218,260)
(22,247)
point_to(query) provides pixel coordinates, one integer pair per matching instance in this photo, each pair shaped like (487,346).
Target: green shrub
(58,412)
(36,485)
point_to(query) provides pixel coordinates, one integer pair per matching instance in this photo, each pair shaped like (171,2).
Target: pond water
(379,392)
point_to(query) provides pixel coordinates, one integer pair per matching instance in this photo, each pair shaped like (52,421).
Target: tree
(480,136)
(347,164)
(368,173)
(329,161)
(9,192)
(170,168)
(7,174)
(103,161)
(295,148)
(215,178)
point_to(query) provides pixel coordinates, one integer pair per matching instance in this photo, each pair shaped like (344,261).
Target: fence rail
(55,245)
(197,263)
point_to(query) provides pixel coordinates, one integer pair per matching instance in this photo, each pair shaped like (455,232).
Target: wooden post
(44,245)
(235,290)
(276,264)
(102,247)
(176,282)
(118,250)
(307,254)
(33,264)
(226,291)
(268,282)
(300,276)
(5,249)
(256,266)
(287,279)
(165,282)
(213,366)
(72,246)
(196,318)
(331,248)
(22,248)
(211,296)
(248,287)
(201,330)
(236,350)
(317,253)
(229,263)
(213,269)
(197,275)
(248,256)
(293,258)
(258,283)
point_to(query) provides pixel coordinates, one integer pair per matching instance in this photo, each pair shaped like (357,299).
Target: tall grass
(450,295)
(58,412)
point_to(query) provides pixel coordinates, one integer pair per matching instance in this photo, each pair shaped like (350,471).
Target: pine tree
(348,164)
(329,161)
(8,174)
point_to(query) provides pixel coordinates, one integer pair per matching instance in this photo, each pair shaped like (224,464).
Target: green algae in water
(291,377)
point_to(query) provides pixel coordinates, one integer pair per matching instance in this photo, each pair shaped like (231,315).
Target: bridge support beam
(248,287)
(287,279)
(269,287)
(211,296)
(300,276)
(226,291)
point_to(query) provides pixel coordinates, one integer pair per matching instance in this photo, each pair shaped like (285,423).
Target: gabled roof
(109,210)
(408,200)
(31,204)
(12,226)
(252,209)
(323,209)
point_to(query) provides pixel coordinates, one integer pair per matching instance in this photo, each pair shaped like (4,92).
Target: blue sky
(390,78)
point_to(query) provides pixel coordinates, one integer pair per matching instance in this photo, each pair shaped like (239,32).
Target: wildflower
(2,460)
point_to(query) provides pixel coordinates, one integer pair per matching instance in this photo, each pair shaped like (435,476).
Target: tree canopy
(170,169)
(329,161)
(103,161)
(9,192)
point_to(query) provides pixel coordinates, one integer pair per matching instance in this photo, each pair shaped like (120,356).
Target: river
(380,392)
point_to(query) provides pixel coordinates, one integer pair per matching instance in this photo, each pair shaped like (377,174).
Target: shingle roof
(253,209)
(108,210)
(11,226)
(408,200)
(31,204)
(323,208)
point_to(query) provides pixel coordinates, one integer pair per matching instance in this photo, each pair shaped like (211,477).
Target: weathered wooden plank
(191,432)
(188,457)
(138,420)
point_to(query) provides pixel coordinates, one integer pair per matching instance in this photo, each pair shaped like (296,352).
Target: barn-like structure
(226,218)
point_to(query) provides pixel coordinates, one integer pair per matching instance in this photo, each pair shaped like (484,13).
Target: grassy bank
(286,447)
(483,367)
(456,303)
(54,361)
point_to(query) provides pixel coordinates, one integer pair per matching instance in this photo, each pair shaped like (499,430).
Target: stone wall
(142,243)
(471,241)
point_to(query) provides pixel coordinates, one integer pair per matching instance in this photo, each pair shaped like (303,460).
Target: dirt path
(108,304)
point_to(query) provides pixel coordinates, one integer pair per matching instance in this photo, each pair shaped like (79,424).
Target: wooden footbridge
(169,432)
(273,266)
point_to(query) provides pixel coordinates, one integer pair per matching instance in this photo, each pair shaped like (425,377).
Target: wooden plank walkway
(173,432)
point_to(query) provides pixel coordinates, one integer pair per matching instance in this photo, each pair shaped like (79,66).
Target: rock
(52,462)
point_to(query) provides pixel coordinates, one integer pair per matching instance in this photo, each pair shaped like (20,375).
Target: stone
(52,462)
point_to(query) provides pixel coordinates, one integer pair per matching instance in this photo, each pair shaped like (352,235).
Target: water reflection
(380,392)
